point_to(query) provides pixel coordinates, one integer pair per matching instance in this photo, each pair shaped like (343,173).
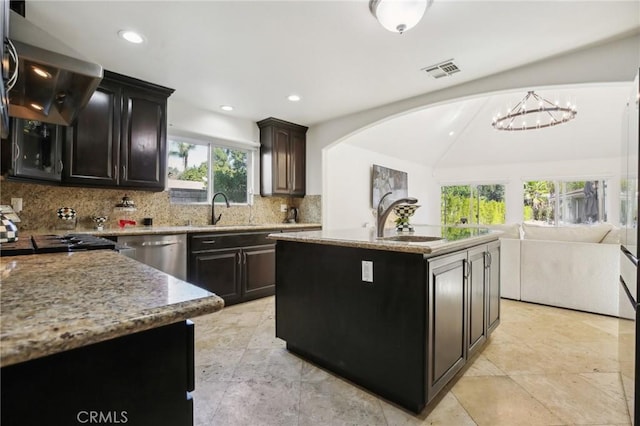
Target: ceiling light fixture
(541,112)
(399,15)
(41,72)
(131,36)
(294,98)
(226,107)
(37,107)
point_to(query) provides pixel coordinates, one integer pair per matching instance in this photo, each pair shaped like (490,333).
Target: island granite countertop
(51,303)
(453,238)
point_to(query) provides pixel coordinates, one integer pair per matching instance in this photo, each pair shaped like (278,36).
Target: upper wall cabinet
(282,158)
(119,139)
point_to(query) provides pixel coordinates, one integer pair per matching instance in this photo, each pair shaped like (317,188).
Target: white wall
(513,176)
(347,195)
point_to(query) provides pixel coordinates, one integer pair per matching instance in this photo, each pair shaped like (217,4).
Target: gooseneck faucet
(383,213)
(215,219)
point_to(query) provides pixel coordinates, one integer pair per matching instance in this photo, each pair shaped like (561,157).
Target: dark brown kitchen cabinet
(282,158)
(446,319)
(119,139)
(36,150)
(236,267)
(476,296)
(493,285)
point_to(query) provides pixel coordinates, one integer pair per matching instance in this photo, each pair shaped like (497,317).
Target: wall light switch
(367,271)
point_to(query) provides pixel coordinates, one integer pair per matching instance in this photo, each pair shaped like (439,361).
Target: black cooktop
(55,243)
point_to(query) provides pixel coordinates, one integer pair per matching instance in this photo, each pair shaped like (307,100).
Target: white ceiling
(459,134)
(253,54)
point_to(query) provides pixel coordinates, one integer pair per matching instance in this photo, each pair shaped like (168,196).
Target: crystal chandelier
(534,112)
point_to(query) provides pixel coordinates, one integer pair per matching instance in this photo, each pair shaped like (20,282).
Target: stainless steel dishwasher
(168,253)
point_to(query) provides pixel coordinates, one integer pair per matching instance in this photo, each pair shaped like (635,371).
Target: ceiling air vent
(442,69)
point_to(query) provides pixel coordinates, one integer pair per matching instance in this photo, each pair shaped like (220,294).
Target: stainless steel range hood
(54,82)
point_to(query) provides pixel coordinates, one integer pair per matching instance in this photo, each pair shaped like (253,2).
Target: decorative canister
(8,230)
(100,221)
(68,218)
(404,212)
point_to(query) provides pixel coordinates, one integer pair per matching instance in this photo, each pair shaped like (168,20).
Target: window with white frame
(555,202)
(199,168)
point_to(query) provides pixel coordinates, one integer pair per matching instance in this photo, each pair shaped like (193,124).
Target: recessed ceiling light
(451,133)
(39,71)
(294,98)
(131,36)
(226,107)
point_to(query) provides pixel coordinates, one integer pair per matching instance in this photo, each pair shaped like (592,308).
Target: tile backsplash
(40,203)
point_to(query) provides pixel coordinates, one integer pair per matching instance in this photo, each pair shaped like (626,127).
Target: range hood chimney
(54,81)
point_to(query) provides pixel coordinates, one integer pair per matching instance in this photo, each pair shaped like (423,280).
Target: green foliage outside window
(482,204)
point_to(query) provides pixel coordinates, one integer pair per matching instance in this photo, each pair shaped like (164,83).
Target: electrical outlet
(283,208)
(16,204)
(367,271)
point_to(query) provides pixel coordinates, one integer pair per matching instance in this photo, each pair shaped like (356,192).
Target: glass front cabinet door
(37,149)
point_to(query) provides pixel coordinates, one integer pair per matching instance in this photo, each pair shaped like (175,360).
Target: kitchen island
(400,318)
(96,335)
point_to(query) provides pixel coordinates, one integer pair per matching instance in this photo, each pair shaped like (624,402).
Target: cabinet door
(446,320)
(37,149)
(219,272)
(297,160)
(93,142)
(493,286)
(476,300)
(259,271)
(281,166)
(143,151)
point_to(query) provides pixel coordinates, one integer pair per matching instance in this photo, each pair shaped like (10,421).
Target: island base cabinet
(446,312)
(140,379)
(371,333)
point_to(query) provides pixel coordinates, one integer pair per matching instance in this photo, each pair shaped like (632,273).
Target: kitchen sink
(411,238)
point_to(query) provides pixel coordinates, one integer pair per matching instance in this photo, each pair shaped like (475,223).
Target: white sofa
(575,267)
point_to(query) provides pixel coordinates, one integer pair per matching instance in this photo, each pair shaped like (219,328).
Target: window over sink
(197,169)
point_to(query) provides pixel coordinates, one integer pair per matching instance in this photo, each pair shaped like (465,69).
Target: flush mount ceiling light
(399,15)
(131,36)
(294,98)
(226,107)
(534,112)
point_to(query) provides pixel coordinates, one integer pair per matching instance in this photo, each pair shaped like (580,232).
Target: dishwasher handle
(158,243)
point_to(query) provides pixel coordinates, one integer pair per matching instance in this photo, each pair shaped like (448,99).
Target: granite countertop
(166,230)
(453,238)
(51,303)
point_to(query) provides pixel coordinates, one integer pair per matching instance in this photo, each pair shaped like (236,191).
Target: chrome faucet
(383,213)
(215,219)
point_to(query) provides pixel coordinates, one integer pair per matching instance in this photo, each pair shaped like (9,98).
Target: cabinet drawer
(200,242)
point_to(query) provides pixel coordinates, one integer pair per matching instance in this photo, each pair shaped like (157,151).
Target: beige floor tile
(541,366)
(206,399)
(337,402)
(268,365)
(254,403)
(217,364)
(447,412)
(575,399)
(481,366)
(498,400)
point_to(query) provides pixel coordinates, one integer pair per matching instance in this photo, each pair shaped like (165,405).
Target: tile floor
(541,366)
